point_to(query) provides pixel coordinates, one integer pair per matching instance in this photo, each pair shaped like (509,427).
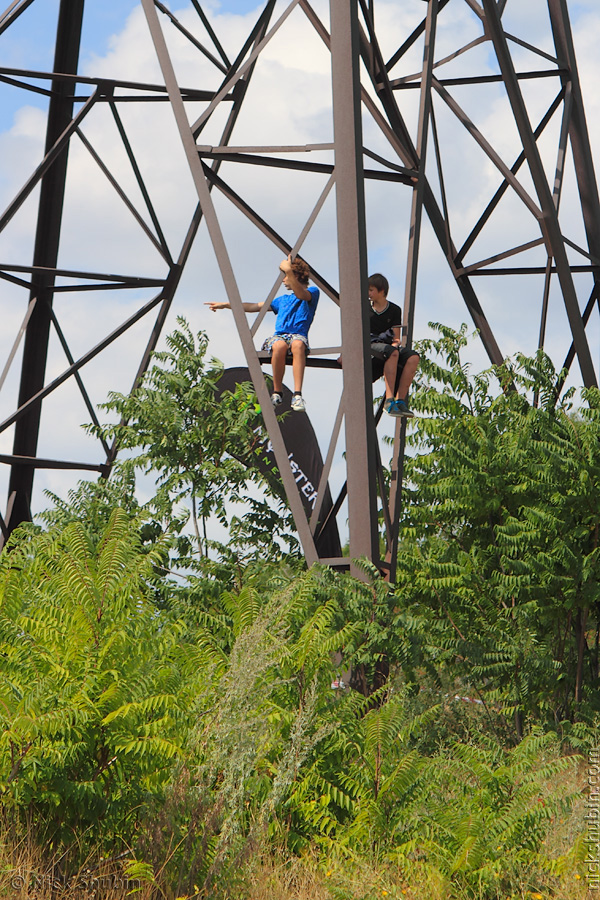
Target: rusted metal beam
(33,372)
(226,269)
(352,262)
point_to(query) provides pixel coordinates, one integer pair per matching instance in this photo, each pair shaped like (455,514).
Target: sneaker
(403,410)
(298,404)
(276,398)
(397,408)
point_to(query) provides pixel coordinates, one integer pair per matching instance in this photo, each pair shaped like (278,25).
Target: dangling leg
(408,373)
(389,374)
(298,364)
(278,355)
(408,365)
(298,367)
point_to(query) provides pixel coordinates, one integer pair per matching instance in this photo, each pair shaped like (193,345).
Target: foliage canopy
(198,722)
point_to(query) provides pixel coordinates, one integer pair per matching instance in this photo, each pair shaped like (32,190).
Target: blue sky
(115,34)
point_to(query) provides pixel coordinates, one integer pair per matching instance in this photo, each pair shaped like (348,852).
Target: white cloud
(288,102)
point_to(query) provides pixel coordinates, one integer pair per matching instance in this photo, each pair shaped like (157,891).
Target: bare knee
(298,348)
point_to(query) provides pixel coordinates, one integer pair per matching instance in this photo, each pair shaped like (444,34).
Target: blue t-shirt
(294,316)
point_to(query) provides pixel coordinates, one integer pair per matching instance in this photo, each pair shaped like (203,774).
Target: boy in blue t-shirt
(295,311)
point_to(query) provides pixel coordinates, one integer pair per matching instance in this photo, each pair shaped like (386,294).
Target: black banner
(305,460)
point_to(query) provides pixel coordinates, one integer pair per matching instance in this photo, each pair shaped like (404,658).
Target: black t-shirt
(383,323)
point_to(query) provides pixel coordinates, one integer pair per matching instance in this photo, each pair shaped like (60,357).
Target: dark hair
(300,270)
(379,282)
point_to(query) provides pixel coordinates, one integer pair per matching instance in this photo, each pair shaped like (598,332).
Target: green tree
(92,708)
(500,560)
(92,503)
(199,443)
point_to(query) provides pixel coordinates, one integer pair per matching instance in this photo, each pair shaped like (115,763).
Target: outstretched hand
(215,305)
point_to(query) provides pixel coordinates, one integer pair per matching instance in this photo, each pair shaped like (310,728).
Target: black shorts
(377,362)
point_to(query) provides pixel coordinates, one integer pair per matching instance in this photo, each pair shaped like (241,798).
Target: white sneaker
(276,398)
(298,404)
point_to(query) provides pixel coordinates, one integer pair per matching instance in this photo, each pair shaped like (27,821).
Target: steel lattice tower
(395,125)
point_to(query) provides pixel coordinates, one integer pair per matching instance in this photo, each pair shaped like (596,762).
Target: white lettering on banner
(307,489)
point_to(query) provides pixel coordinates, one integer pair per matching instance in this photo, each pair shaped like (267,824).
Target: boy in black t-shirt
(389,358)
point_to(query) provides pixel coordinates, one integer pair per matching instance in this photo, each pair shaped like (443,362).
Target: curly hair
(301,270)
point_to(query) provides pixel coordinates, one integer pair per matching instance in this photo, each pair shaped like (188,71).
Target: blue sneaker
(389,407)
(401,409)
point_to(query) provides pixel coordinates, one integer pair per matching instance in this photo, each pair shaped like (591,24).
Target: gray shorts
(378,362)
(288,338)
(382,350)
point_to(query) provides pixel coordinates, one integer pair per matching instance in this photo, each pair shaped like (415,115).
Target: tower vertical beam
(352,258)
(416,215)
(578,131)
(35,350)
(410,293)
(549,222)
